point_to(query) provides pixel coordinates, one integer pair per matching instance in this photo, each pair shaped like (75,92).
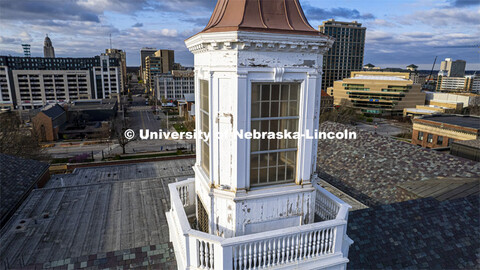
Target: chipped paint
(231,63)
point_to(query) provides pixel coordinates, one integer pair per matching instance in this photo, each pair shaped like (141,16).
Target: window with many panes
(430,138)
(420,136)
(274,109)
(440,140)
(204,125)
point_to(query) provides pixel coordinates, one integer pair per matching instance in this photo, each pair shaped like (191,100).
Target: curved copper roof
(272,16)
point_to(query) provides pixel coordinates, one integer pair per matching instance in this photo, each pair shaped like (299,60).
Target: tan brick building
(378,92)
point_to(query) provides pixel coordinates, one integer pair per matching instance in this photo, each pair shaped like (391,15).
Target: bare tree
(19,141)
(344,114)
(119,127)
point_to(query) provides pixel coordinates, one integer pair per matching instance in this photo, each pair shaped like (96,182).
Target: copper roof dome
(272,16)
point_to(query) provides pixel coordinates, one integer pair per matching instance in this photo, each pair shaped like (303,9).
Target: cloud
(8,40)
(197,21)
(384,23)
(47,10)
(465,3)
(385,47)
(440,17)
(138,25)
(316,13)
(188,6)
(419,35)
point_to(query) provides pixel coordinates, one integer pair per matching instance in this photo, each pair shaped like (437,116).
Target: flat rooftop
(456,120)
(420,110)
(101,216)
(381,78)
(470,143)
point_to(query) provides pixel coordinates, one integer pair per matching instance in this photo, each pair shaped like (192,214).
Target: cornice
(248,41)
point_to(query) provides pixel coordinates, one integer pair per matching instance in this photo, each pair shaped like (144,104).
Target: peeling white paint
(231,61)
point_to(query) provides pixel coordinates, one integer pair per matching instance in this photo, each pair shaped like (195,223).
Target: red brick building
(326,102)
(48,121)
(438,131)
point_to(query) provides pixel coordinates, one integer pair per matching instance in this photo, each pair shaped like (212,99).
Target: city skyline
(398,32)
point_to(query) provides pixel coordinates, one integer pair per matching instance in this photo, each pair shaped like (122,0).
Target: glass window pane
(290,173)
(281,172)
(263,176)
(285,92)
(256,110)
(255,143)
(272,174)
(274,107)
(204,126)
(255,93)
(254,161)
(292,108)
(273,143)
(263,160)
(265,109)
(205,158)
(272,159)
(291,157)
(283,110)
(277,101)
(275,92)
(264,125)
(266,92)
(294,93)
(254,176)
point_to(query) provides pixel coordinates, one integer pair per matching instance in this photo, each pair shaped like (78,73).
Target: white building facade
(256,201)
(6,91)
(30,83)
(36,88)
(175,85)
(107,79)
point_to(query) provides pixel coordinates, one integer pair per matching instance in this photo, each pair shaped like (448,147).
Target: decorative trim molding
(278,74)
(244,41)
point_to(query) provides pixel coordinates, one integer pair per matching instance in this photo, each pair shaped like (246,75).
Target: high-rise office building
(48,50)
(32,82)
(451,68)
(153,67)
(466,84)
(168,59)
(144,52)
(122,59)
(162,61)
(346,55)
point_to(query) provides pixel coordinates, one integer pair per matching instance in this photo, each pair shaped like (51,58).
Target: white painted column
(241,172)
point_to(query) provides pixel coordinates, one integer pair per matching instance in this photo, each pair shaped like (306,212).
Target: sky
(399,32)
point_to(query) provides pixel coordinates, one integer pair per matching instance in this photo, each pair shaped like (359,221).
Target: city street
(143,118)
(139,116)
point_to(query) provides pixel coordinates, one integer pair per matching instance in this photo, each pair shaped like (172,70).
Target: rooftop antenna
(26,50)
(110,41)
